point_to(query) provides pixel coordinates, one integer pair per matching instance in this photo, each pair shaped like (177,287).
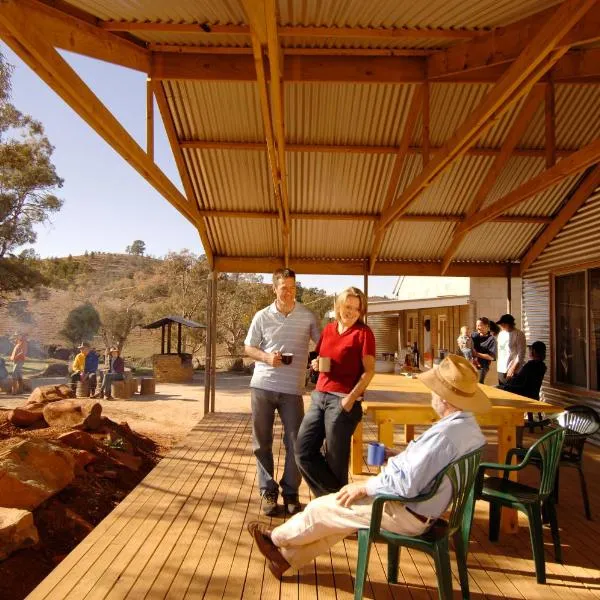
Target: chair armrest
(499,467)
(381,499)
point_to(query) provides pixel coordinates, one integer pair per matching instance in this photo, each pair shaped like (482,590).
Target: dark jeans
(91,377)
(502,378)
(107,381)
(483,371)
(326,420)
(291,410)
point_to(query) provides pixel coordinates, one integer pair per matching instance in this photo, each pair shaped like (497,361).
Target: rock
(78,439)
(84,414)
(82,459)
(25,417)
(56,370)
(127,460)
(32,471)
(50,393)
(109,474)
(17,530)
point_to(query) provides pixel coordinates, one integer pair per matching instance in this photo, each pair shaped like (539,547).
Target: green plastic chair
(462,474)
(501,491)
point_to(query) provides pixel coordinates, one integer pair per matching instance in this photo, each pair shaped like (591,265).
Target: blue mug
(375,454)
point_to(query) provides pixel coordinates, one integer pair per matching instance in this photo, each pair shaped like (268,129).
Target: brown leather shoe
(262,536)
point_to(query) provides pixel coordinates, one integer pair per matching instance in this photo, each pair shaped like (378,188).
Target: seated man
(327,520)
(116,370)
(528,381)
(78,366)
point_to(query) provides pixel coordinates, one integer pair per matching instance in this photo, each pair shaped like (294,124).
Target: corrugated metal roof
(346,113)
(245,237)
(334,239)
(416,241)
(497,241)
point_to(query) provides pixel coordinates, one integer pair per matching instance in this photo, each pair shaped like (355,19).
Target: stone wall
(169,369)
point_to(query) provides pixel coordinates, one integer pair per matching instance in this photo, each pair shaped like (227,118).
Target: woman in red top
(336,409)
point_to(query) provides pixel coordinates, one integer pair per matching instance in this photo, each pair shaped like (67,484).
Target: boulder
(17,530)
(50,393)
(78,439)
(32,471)
(27,416)
(56,370)
(84,414)
(127,460)
(82,459)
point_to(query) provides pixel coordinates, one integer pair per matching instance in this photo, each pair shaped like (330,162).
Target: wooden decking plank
(146,562)
(109,566)
(57,584)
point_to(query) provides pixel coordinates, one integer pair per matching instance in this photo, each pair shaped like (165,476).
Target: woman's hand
(347,403)
(314,364)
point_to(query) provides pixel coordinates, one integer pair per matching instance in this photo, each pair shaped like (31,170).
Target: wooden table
(399,400)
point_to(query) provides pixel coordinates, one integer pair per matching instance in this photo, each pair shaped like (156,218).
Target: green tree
(28,181)
(81,324)
(137,248)
(117,321)
(315,299)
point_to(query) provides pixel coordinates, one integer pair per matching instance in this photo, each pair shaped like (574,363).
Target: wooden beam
(520,124)
(149,120)
(505,44)
(35,51)
(576,163)
(573,204)
(171,131)
(550,125)
(67,32)
(412,218)
(535,60)
(240,264)
(356,149)
(296,31)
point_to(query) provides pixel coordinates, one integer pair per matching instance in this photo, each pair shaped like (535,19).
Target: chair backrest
(580,422)
(462,474)
(548,448)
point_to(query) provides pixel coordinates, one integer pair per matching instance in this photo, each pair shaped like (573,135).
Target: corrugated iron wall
(577,243)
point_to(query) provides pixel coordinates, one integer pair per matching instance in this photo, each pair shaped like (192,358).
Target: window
(577,329)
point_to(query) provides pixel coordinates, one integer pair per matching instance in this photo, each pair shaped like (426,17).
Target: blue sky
(107,204)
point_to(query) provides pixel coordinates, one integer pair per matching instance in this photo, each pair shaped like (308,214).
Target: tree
(81,324)
(137,248)
(315,299)
(117,321)
(28,181)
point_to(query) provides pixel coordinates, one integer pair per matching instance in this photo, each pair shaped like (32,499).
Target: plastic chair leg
(441,557)
(467,523)
(364,549)
(393,561)
(461,561)
(495,512)
(551,511)
(584,494)
(536,534)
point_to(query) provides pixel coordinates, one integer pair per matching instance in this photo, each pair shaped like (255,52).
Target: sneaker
(292,504)
(269,506)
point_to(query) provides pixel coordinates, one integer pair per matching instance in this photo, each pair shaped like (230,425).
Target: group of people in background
(85,368)
(503,342)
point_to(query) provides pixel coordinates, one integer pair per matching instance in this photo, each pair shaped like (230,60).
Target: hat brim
(477,402)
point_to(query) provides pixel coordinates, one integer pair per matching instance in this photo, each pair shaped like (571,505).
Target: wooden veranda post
(208,346)
(169,338)
(213,339)
(508,288)
(366,286)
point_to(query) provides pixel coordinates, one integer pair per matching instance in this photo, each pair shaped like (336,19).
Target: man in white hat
(455,396)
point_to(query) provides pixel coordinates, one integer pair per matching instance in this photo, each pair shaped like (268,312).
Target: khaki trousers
(324,523)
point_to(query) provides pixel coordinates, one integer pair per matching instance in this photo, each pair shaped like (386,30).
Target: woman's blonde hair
(351,292)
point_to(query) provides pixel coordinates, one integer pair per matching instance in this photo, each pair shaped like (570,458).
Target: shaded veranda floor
(182,534)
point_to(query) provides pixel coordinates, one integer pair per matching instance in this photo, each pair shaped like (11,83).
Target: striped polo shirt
(272,331)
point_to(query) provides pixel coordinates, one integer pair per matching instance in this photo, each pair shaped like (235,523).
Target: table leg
(506,441)
(385,430)
(356,450)
(409,433)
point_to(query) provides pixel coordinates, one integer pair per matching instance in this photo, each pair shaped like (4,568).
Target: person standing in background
(279,332)
(484,347)
(512,349)
(18,356)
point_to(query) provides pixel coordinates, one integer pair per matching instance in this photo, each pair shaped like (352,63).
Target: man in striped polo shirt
(282,328)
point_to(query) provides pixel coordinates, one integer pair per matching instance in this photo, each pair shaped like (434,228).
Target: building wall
(488,298)
(578,243)
(417,287)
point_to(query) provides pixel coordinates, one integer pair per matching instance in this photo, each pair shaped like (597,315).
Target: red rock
(74,413)
(82,459)
(32,471)
(25,417)
(50,393)
(127,460)
(109,474)
(17,530)
(78,439)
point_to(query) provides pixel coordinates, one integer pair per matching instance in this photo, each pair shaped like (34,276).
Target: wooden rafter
(550,124)
(317,216)
(575,202)
(536,59)
(576,163)
(296,31)
(523,120)
(359,149)
(235,264)
(35,51)
(505,44)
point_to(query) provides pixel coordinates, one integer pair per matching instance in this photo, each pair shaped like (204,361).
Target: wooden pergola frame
(524,61)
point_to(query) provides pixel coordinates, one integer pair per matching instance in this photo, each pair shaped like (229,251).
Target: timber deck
(182,534)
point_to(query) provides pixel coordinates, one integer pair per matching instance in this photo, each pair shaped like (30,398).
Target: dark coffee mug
(286,358)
